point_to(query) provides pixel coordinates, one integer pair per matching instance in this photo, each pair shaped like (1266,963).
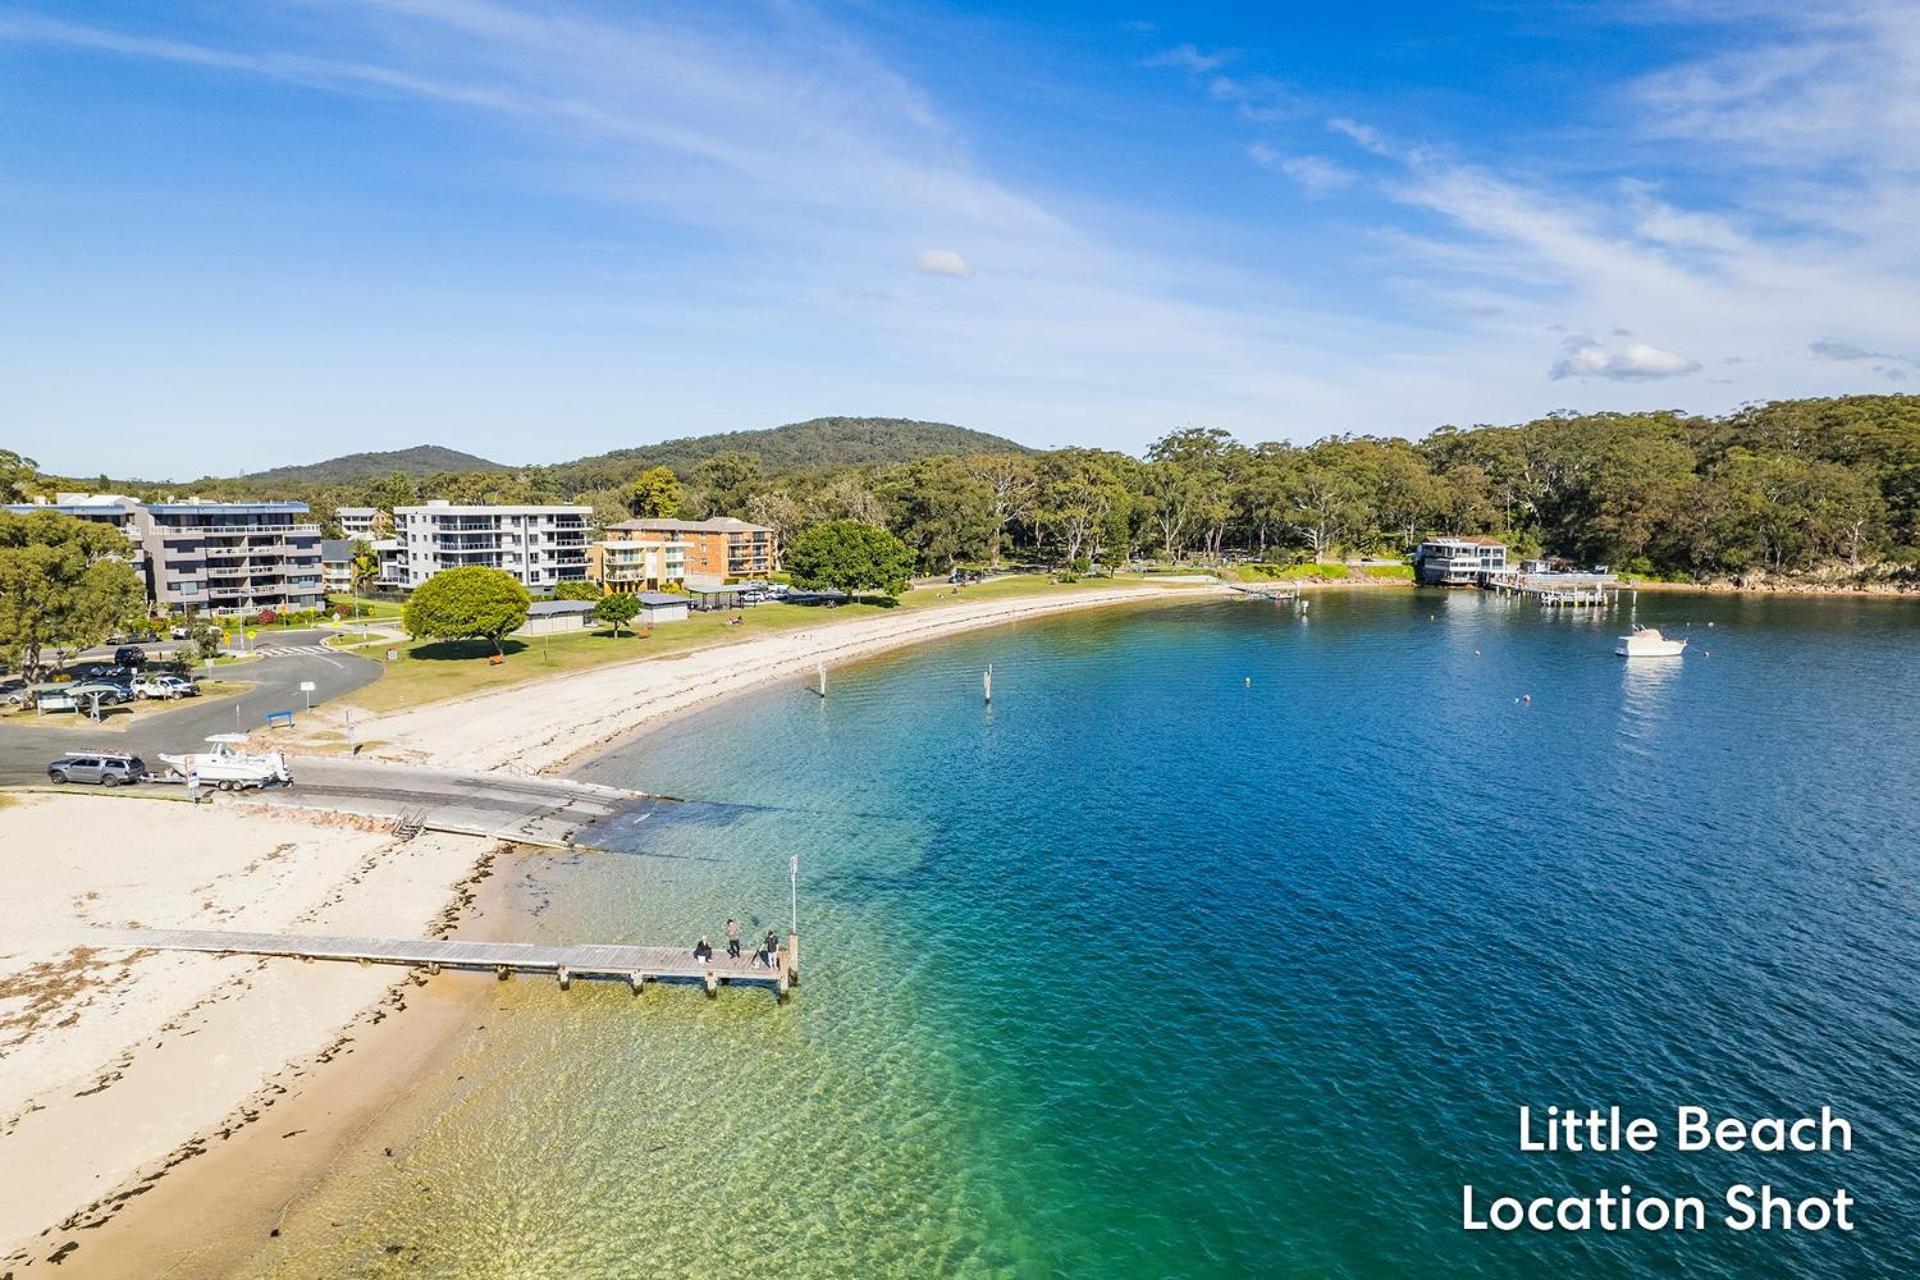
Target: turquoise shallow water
(1227,942)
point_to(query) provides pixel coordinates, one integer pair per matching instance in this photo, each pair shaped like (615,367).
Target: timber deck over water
(635,966)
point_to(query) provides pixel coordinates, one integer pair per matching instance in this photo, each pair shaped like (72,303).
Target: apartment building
(117,510)
(232,558)
(336,566)
(541,546)
(356,522)
(712,551)
(634,565)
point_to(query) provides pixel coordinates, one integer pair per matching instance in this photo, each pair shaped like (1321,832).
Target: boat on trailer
(228,767)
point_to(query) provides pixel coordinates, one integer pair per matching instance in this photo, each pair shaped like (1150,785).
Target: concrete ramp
(551,812)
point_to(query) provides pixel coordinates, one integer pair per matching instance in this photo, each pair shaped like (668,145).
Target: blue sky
(234,235)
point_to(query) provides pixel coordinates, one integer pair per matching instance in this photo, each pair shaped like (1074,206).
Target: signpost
(306,687)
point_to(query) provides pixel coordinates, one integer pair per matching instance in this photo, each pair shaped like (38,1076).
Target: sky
(236,235)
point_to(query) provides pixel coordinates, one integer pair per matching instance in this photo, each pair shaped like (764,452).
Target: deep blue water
(1228,941)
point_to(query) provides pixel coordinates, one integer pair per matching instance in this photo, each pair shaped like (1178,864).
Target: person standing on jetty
(733,938)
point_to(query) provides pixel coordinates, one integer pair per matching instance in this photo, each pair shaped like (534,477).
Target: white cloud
(1316,175)
(1635,362)
(1365,136)
(942,262)
(1187,57)
(1260,99)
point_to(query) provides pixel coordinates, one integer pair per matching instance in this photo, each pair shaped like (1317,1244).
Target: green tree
(577,589)
(850,556)
(363,565)
(19,476)
(64,585)
(940,510)
(470,603)
(389,491)
(617,610)
(1013,489)
(655,494)
(728,480)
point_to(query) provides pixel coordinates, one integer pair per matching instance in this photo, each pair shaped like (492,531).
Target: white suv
(168,687)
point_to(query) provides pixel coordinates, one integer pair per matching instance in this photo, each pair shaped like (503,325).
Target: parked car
(105,769)
(168,687)
(130,655)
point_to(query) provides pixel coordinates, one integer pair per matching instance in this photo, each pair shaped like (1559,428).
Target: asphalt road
(26,749)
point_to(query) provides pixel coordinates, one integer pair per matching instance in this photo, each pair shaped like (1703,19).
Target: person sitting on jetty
(702,950)
(733,938)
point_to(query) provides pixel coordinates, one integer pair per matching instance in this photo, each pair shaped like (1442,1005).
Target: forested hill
(798,446)
(421,460)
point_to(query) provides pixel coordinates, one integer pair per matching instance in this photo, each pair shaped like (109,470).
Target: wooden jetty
(1265,590)
(1556,590)
(636,966)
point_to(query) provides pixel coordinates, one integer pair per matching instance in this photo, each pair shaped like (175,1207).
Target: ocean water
(1227,941)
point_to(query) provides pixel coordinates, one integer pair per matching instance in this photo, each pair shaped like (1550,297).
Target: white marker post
(986,683)
(306,687)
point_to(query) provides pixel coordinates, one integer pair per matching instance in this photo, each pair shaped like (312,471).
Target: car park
(107,768)
(130,655)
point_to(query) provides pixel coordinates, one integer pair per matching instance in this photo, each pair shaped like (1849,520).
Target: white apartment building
(541,546)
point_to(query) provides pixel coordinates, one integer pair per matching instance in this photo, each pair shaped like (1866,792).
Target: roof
(655,599)
(356,511)
(197,505)
(1472,539)
(719,524)
(558,608)
(441,507)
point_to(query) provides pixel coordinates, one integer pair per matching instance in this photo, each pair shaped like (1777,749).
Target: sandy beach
(542,725)
(129,1081)
(115,1064)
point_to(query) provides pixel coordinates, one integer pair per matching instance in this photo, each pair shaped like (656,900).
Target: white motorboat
(227,766)
(1645,642)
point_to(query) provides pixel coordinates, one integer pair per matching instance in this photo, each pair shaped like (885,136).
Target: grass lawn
(429,670)
(363,608)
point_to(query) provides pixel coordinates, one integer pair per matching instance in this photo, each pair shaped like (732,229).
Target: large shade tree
(850,556)
(64,585)
(469,603)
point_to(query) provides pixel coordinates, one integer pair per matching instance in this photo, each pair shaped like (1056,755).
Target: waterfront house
(1458,562)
